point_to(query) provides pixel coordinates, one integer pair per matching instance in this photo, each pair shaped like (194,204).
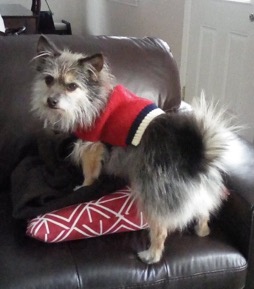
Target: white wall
(160,18)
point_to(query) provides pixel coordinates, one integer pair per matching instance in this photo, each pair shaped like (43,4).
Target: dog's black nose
(52,102)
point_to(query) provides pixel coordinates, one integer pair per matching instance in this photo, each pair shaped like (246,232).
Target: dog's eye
(71,86)
(49,80)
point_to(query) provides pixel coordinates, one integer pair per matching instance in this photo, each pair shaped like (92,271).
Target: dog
(174,162)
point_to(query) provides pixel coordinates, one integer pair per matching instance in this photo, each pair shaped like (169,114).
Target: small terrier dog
(172,161)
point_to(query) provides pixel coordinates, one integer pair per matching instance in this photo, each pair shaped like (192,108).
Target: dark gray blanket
(44,178)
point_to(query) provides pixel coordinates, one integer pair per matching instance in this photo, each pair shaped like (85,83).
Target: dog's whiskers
(42,54)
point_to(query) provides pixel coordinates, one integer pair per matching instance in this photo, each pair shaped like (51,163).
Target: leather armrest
(237,217)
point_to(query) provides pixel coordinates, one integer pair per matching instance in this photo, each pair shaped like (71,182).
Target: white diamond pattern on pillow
(112,213)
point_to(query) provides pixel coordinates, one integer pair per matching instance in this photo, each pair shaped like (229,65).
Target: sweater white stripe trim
(144,124)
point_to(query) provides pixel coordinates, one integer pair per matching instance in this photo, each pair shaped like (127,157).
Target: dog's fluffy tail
(217,128)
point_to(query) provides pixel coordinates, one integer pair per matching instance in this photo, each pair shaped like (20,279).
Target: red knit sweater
(123,121)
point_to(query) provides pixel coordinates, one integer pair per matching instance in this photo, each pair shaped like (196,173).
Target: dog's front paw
(85,184)
(149,257)
(78,187)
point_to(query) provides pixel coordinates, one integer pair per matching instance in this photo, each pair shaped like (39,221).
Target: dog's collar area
(151,115)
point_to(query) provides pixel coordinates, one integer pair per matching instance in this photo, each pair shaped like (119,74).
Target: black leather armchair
(223,260)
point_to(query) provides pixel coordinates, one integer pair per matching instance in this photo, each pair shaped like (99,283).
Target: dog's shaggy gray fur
(175,173)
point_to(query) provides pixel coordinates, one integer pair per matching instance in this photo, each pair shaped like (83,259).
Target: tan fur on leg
(158,235)
(91,161)
(202,229)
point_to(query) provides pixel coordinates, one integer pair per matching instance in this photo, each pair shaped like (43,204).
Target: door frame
(185,45)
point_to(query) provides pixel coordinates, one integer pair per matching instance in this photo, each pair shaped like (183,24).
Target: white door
(220,56)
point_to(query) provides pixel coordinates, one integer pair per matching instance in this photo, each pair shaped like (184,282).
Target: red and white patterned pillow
(116,212)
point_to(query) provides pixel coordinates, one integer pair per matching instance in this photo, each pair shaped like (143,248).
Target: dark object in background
(45,22)
(48,26)
(15,31)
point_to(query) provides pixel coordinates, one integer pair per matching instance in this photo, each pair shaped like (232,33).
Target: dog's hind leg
(202,229)
(158,235)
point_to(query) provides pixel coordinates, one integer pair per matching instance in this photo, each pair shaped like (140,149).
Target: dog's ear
(96,62)
(46,47)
